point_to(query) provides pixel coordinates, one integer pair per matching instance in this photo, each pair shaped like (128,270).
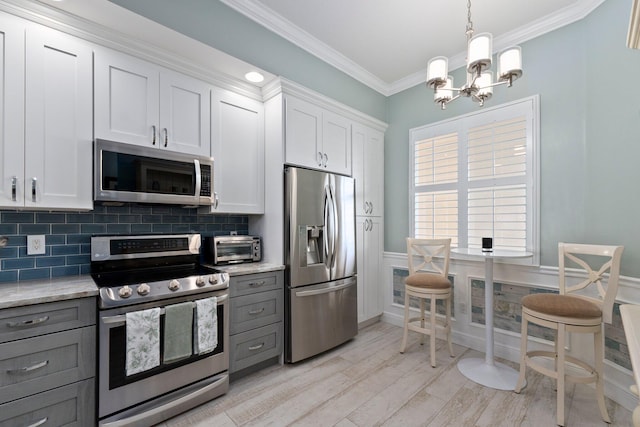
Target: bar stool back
(428,279)
(569,311)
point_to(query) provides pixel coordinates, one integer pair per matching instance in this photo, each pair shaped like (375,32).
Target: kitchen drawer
(71,405)
(252,283)
(31,320)
(249,348)
(36,364)
(252,311)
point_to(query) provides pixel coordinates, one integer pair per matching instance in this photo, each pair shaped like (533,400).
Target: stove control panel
(115,296)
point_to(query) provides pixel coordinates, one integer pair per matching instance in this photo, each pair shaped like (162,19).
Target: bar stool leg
(403,345)
(523,354)
(432,337)
(599,365)
(560,367)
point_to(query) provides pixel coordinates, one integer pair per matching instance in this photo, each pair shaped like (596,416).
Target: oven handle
(140,417)
(122,318)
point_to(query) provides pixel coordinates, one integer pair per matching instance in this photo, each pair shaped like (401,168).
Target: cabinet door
(237,147)
(336,143)
(303,126)
(368,170)
(184,114)
(126,99)
(58,125)
(369,246)
(11,111)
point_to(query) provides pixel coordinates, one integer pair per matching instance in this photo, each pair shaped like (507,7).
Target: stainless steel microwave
(132,173)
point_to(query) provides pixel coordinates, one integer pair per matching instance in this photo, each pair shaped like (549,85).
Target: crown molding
(264,16)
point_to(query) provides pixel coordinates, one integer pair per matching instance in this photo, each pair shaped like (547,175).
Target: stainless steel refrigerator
(320,257)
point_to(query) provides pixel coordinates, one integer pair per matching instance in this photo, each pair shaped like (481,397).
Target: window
(476,176)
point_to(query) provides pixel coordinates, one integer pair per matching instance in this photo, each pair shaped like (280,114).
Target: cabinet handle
(319,158)
(166,137)
(34,181)
(260,283)
(14,188)
(326,160)
(256,347)
(27,322)
(39,423)
(253,312)
(153,131)
(216,200)
(27,369)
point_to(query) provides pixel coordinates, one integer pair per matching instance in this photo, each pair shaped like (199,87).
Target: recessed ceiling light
(254,77)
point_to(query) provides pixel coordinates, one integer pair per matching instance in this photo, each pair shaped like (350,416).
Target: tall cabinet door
(184,114)
(126,99)
(237,147)
(369,247)
(58,120)
(368,170)
(11,112)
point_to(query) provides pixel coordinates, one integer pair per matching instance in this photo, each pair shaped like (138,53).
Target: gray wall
(589,103)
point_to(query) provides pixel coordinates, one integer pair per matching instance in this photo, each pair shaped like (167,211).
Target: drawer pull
(28,368)
(256,347)
(256,311)
(39,423)
(260,283)
(28,322)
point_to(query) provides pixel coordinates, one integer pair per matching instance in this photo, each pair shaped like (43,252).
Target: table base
(498,375)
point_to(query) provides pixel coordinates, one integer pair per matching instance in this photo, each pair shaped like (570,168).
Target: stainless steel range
(163,328)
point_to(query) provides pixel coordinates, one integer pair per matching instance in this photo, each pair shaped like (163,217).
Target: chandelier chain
(469,31)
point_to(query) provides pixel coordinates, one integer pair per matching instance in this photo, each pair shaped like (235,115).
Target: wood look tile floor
(367,382)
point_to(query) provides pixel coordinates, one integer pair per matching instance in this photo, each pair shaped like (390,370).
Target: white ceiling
(386,44)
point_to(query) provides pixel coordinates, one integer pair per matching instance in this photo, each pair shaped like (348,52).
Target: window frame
(530,108)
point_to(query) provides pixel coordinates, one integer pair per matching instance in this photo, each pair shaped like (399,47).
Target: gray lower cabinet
(47,364)
(255,322)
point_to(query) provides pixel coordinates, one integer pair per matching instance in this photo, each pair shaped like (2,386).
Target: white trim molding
(256,11)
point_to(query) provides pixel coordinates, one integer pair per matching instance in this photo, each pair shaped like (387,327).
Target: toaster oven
(221,250)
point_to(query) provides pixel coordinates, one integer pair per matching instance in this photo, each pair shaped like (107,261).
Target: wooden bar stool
(575,313)
(432,285)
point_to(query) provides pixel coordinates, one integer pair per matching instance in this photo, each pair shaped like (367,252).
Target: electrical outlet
(35,245)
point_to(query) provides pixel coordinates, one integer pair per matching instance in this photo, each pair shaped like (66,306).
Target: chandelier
(479,85)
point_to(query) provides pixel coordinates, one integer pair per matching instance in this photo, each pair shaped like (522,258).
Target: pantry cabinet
(237,147)
(141,103)
(46,127)
(369,248)
(316,138)
(368,170)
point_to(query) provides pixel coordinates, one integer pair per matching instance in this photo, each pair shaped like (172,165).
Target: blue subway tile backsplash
(68,234)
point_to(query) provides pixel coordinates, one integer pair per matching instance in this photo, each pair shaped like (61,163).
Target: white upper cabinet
(316,138)
(368,170)
(237,148)
(11,112)
(140,103)
(49,125)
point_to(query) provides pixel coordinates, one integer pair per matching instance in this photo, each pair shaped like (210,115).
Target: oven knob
(200,281)
(174,285)
(213,279)
(125,292)
(143,289)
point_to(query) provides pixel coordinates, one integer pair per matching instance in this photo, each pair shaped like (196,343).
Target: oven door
(117,391)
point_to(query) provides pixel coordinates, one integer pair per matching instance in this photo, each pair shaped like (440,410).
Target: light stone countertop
(30,292)
(248,268)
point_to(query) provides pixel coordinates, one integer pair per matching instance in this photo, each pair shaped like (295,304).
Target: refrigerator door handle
(334,226)
(327,231)
(323,290)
